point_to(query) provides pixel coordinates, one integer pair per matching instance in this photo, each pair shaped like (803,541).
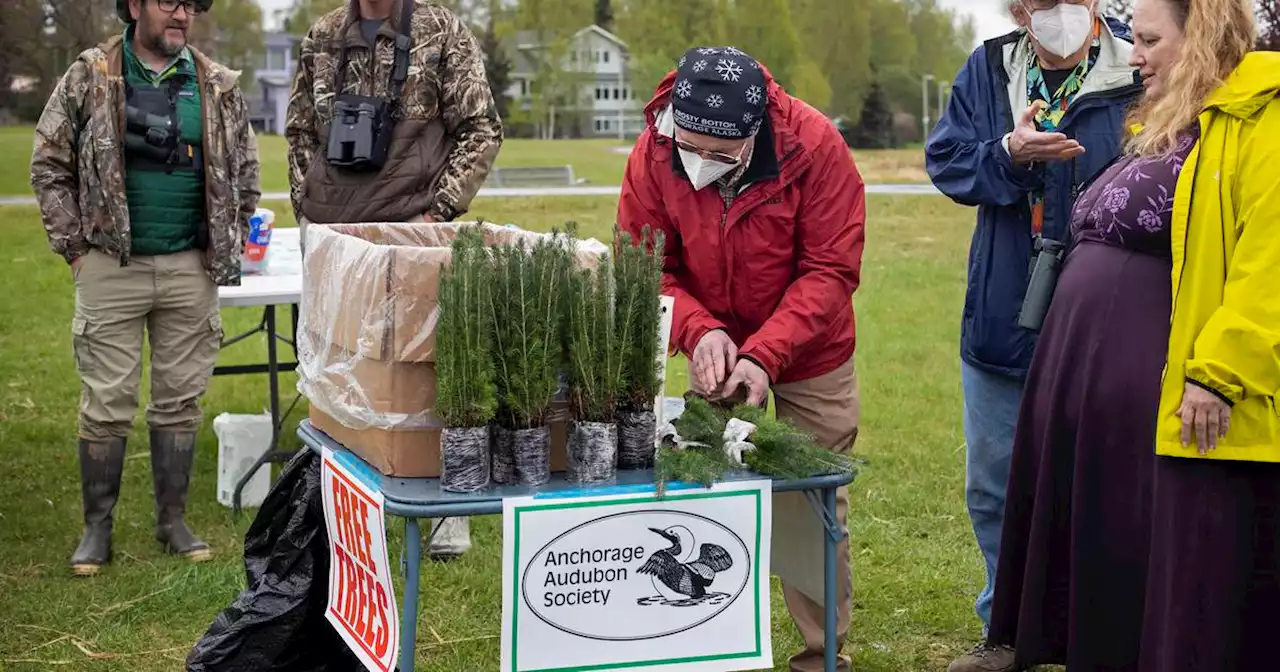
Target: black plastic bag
(277,622)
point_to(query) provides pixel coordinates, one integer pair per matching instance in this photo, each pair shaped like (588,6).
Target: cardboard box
(409,453)
(367,344)
(414,453)
(373,289)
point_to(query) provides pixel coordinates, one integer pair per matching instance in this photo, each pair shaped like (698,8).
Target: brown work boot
(985,657)
(101,465)
(172,454)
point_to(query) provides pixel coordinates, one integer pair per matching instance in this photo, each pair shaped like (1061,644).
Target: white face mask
(1063,29)
(703,172)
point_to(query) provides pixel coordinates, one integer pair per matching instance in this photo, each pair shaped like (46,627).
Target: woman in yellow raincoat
(1213,588)
(1142,524)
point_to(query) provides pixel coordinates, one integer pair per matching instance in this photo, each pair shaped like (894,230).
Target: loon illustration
(677,573)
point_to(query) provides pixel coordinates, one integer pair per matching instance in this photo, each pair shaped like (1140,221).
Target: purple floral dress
(1077,530)
(1131,204)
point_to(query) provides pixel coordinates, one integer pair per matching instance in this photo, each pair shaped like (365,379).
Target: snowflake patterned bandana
(720,92)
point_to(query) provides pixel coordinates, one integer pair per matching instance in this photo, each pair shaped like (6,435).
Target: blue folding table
(415,498)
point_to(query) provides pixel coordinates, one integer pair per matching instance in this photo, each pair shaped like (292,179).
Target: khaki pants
(828,408)
(173,298)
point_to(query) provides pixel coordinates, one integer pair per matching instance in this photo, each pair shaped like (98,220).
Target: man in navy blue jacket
(1033,116)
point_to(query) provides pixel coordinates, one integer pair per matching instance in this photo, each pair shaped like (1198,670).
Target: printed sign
(619,578)
(667,311)
(362,604)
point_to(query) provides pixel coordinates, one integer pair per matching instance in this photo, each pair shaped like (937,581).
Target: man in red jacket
(762,209)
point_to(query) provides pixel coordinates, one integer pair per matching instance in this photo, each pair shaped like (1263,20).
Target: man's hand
(76,264)
(1205,418)
(747,374)
(713,359)
(1027,145)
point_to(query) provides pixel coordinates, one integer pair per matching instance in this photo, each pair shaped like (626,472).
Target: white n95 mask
(1063,29)
(703,172)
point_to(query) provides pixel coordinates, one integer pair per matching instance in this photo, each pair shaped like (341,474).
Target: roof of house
(519,46)
(602,33)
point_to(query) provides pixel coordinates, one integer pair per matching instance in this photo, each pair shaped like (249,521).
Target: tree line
(876,66)
(1266,11)
(839,55)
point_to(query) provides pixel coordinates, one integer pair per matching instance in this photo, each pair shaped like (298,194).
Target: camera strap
(400,69)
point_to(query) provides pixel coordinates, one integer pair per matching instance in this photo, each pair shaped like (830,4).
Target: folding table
(281,285)
(415,498)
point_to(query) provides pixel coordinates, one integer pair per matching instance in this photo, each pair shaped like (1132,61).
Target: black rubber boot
(172,454)
(101,465)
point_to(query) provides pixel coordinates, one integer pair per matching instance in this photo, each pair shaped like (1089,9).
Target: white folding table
(280,284)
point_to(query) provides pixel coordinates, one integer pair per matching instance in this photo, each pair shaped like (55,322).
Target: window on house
(617,95)
(606,57)
(598,129)
(276,59)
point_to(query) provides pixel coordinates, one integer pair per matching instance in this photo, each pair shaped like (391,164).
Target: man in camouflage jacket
(444,140)
(446,135)
(151,220)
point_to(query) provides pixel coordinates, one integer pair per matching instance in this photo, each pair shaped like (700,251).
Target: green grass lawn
(597,161)
(916,568)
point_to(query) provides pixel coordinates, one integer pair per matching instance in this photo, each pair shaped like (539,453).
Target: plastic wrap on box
(366,333)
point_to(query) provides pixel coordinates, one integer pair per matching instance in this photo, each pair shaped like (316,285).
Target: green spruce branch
(781,450)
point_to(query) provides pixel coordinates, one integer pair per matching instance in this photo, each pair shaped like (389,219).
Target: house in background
(607,106)
(269,97)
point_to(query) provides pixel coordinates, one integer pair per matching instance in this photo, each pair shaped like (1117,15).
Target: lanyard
(1055,109)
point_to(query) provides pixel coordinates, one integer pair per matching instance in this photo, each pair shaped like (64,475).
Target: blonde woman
(1213,588)
(1142,526)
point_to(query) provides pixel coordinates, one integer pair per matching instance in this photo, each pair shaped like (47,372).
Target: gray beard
(161,46)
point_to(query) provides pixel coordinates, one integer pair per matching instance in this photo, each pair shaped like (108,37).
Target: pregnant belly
(1104,340)
(1105,282)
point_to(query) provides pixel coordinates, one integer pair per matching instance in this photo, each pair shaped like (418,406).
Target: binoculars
(1045,268)
(360,135)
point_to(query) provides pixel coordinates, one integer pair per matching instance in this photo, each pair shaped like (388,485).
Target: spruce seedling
(465,394)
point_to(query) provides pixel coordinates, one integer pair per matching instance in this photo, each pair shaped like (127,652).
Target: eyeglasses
(708,154)
(1050,4)
(192,7)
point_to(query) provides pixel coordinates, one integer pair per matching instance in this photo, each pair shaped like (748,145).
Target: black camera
(1045,268)
(149,135)
(360,135)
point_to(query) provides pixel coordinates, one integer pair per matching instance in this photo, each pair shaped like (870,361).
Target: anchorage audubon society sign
(634,581)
